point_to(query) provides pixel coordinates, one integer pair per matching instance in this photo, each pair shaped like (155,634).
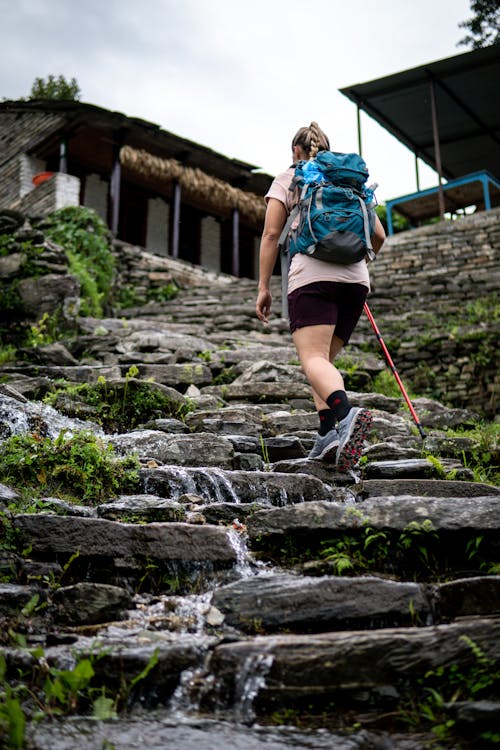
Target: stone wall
(453,259)
(435,294)
(16,129)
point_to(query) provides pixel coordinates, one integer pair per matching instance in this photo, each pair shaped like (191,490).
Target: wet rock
(258,392)
(176,376)
(90,603)
(51,354)
(434,414)
(264,371)
(215,485)
(20,419)
(469,596)
(168,425)
(111,545)
(294,667)
(283,448)
(475,514)
(426,488)
(7,494)
(304,605)
(47,294)
(13,597)
(199,449)
(145,508)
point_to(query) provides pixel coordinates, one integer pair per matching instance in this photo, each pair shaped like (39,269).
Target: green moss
(82,466)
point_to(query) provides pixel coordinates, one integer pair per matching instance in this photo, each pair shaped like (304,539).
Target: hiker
(325,302)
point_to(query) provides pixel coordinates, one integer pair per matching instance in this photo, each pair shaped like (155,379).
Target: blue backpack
(336,210)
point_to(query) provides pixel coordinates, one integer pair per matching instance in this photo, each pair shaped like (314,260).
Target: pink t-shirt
(304,269)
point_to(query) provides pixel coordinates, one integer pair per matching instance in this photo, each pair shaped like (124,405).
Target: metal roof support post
(236,243)
(388,215)
(63,162)
(360,146)
(114,192)
(417,174)
(486,193)
(437,149)
(176,220)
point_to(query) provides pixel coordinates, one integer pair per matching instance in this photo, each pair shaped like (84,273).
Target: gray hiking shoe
(325,446)
(353,430)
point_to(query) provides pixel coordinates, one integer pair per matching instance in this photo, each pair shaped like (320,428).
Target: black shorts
(332,303)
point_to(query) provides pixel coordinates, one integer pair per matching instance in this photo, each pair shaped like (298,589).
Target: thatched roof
(214,194)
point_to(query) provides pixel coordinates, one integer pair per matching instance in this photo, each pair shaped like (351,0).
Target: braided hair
(311,140)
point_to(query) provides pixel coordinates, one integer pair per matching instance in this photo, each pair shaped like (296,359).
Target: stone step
(99,550)
(372,671)
(298,604)
(406,537)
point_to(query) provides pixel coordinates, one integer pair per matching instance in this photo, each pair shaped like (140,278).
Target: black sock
(326,421)
(339,404)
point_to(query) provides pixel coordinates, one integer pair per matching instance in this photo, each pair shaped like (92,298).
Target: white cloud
(238,77)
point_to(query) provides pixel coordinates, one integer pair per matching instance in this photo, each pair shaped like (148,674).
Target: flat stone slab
(305,604)
(201,449)
(390,513)
(216,485)
(292,668)
(97,537)
(426,488)
(259,392)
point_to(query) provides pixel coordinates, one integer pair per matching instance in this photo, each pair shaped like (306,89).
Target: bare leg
(317,346)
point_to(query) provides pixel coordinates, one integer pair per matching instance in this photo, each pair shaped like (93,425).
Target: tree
(484,27)
(55,88)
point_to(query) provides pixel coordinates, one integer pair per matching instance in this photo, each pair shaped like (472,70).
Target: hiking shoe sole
(351,446)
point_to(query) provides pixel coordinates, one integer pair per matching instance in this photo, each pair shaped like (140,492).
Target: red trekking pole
(395,372)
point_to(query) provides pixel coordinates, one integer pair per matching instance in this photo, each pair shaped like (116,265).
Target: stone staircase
(264,600)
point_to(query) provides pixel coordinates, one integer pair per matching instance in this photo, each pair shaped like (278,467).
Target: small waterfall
(237,538)
(21,418)
(250,679)
(210,483)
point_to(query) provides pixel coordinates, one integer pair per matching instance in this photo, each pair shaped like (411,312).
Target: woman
(325,302)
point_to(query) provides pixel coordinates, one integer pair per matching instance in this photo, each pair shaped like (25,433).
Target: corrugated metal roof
(467,98)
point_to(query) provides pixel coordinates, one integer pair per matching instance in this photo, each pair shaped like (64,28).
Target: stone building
(154,189)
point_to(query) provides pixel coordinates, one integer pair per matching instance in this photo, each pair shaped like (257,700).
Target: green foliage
(164,293)
(483,458)
(439,689)
(52,88)
(484,26)
(356,553)
(117,406)
(399,223)
(385,383)
(127,296)
(86,240)
(81,466)
(7,353)
(52,691)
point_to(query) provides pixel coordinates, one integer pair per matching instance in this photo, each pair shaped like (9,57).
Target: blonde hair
(311,139)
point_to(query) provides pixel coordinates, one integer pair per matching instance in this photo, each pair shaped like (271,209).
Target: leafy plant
(439,689)
(86,240)
(120,405)
(55,88)
(81,466)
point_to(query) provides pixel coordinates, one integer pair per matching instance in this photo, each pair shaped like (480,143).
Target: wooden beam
(236,243)
(176,220)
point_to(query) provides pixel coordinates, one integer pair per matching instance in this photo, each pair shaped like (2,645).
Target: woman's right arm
(273,225)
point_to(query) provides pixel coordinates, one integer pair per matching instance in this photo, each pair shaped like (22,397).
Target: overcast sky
(238,76)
